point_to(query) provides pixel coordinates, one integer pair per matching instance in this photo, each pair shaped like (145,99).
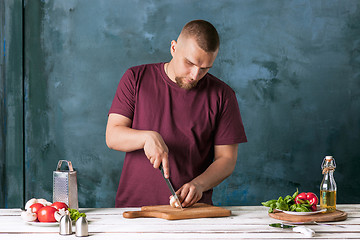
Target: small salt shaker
(82,227)
(65,225)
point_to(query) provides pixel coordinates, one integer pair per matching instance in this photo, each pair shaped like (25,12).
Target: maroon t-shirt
(191,122)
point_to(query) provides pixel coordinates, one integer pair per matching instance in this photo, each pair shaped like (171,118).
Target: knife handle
(162,170)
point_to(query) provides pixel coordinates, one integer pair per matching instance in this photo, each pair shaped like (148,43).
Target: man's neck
(169,71)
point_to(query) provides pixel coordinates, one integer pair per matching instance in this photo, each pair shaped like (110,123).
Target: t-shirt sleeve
(124,100)
(230,128)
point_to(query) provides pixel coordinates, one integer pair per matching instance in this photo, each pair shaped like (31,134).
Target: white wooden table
(246,222)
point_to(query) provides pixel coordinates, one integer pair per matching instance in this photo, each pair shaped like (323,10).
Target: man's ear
(173,47)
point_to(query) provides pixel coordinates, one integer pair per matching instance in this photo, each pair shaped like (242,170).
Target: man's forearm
(222,167)
(217,172)
(125,139)
(120,136)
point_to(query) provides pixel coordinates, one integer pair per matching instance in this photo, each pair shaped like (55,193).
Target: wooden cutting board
(318,217)
(198,210)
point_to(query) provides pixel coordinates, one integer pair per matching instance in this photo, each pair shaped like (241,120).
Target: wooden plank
(2,105)
(112,224)
(14,179)
(188,236)
(39,164)
(109,224)
(281,234)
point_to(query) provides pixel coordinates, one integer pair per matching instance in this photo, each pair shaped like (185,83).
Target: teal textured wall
(295,67)
(11,107)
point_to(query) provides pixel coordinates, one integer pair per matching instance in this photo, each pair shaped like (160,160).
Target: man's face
(191,63)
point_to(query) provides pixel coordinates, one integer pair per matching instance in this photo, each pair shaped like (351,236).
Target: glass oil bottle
(328,185)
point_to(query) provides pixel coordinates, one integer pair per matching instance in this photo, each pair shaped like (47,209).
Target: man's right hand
(121,137)
(156,151)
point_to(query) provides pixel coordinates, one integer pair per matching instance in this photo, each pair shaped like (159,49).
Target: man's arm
(223,165)
(121,137)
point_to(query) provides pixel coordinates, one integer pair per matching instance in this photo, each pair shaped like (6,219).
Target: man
(178,115)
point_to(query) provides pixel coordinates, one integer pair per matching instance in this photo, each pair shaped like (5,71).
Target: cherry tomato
(36,207)
(46,214)
(59,205)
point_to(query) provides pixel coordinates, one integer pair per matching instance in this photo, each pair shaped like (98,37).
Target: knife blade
(170,187)
(280,225)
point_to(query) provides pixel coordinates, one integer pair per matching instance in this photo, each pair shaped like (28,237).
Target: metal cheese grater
(65,185)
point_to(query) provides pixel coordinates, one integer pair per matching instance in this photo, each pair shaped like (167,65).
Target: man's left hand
(189,194)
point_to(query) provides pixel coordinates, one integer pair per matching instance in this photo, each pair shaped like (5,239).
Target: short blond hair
(204,33)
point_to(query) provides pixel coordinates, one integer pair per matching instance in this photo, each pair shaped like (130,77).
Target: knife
(308,232)
(280,225)
(170,187)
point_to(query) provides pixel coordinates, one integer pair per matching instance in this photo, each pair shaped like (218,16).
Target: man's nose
(195,71)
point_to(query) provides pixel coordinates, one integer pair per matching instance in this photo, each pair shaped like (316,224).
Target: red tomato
(46,214)
(311,197)
(59,205)
(36,207)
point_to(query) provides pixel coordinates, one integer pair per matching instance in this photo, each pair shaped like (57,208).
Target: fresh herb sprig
(75,214)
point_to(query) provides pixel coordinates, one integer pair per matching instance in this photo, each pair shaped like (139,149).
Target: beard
(185,85)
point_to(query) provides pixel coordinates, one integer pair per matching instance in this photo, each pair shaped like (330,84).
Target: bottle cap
(82,227)
(65,225)
(328,164)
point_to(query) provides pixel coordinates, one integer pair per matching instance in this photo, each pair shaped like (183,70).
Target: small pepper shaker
(82,227)
(65,225)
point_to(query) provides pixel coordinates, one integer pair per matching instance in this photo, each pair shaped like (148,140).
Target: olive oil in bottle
(328,185)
